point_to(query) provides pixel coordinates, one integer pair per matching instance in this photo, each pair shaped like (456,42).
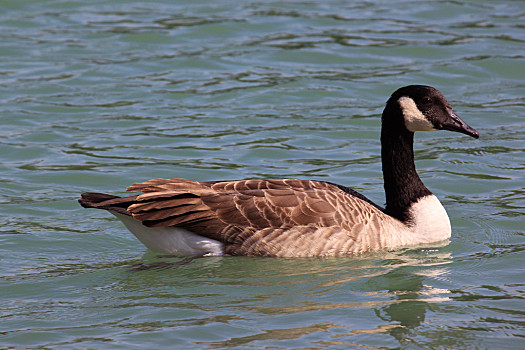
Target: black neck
(402,183)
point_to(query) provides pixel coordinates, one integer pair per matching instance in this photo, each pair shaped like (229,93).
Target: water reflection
(398,288)
(409,310)
(99,96)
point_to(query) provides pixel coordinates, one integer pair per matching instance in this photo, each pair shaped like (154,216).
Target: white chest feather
(431,221)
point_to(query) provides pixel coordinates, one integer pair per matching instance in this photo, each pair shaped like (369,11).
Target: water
(98,95)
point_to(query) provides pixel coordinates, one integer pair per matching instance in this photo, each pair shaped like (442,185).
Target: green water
(98,95)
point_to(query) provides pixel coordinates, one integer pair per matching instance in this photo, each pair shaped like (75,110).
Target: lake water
(98,95)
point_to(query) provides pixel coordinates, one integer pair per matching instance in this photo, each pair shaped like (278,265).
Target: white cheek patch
(414,119)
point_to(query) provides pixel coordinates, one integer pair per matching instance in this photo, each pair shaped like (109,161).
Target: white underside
(171,240)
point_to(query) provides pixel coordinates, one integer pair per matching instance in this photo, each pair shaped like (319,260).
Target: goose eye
(427,100)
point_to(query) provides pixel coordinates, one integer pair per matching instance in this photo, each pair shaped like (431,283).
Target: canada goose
(298,218)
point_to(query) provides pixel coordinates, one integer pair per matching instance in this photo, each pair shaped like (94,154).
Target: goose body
(298,218)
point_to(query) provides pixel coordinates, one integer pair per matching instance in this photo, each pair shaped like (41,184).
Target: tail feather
(107,202)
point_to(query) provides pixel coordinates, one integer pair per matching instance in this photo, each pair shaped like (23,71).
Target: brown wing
(224,210)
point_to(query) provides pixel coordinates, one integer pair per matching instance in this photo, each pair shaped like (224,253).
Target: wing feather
(227,210)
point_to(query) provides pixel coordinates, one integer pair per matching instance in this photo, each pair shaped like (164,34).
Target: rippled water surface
(98,95)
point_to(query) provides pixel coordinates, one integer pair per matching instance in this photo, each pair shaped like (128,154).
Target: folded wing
(223,210)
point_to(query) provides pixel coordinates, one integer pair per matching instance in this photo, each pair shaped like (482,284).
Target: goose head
(424,108)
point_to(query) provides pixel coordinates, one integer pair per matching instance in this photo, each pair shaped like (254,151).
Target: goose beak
(454,123)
